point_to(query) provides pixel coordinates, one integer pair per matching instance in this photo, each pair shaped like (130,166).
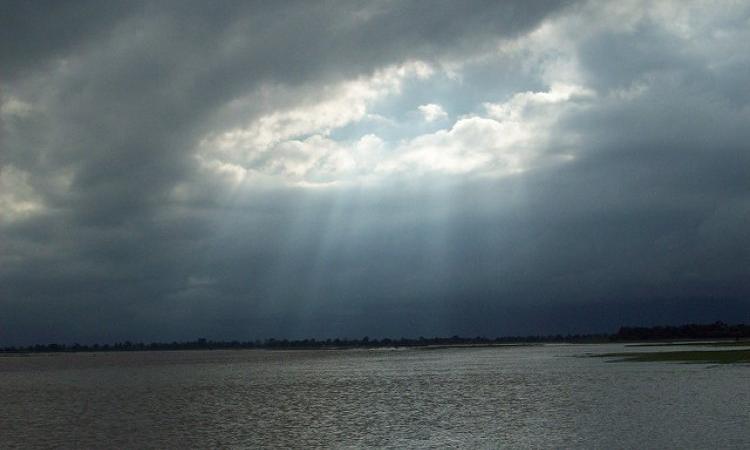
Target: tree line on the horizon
(717,330)
(272,343)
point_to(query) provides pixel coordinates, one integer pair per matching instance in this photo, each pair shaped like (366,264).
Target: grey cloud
(128,105)
(34,35)
(645,224)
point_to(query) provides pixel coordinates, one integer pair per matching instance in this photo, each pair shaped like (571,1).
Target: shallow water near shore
(538,396)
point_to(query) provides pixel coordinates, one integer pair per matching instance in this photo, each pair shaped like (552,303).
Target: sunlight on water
(486,398)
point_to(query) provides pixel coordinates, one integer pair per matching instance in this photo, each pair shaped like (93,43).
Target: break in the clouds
(171,170)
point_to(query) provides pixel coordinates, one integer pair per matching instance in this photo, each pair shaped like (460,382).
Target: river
(547,396)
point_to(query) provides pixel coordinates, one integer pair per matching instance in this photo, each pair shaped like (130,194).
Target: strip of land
(714,334)
(741,356)
(725,343)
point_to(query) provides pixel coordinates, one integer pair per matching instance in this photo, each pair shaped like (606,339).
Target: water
(515,397)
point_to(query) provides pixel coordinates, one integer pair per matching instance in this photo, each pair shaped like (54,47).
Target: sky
(245,170)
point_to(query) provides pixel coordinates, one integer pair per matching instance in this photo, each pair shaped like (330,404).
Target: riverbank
(735,356)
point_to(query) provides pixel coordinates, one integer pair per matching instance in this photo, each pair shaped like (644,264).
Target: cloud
(241,170)
(295,145)
(432,112)
(14,107)
(17,199)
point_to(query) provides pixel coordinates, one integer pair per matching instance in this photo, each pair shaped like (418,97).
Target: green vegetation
(695,356)
(743,343)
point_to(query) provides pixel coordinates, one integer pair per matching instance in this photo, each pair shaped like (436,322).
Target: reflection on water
(481,397)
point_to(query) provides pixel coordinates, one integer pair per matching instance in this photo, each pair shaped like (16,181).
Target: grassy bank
(691,356)
(718,343)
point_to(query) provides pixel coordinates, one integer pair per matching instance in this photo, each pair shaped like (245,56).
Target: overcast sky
(242,170)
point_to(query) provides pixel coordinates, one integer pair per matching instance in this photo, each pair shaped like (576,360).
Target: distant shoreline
(207,347)
(717,333)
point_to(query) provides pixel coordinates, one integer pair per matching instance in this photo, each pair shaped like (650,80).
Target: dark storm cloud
(33,33)
(127,97)
(647,223)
